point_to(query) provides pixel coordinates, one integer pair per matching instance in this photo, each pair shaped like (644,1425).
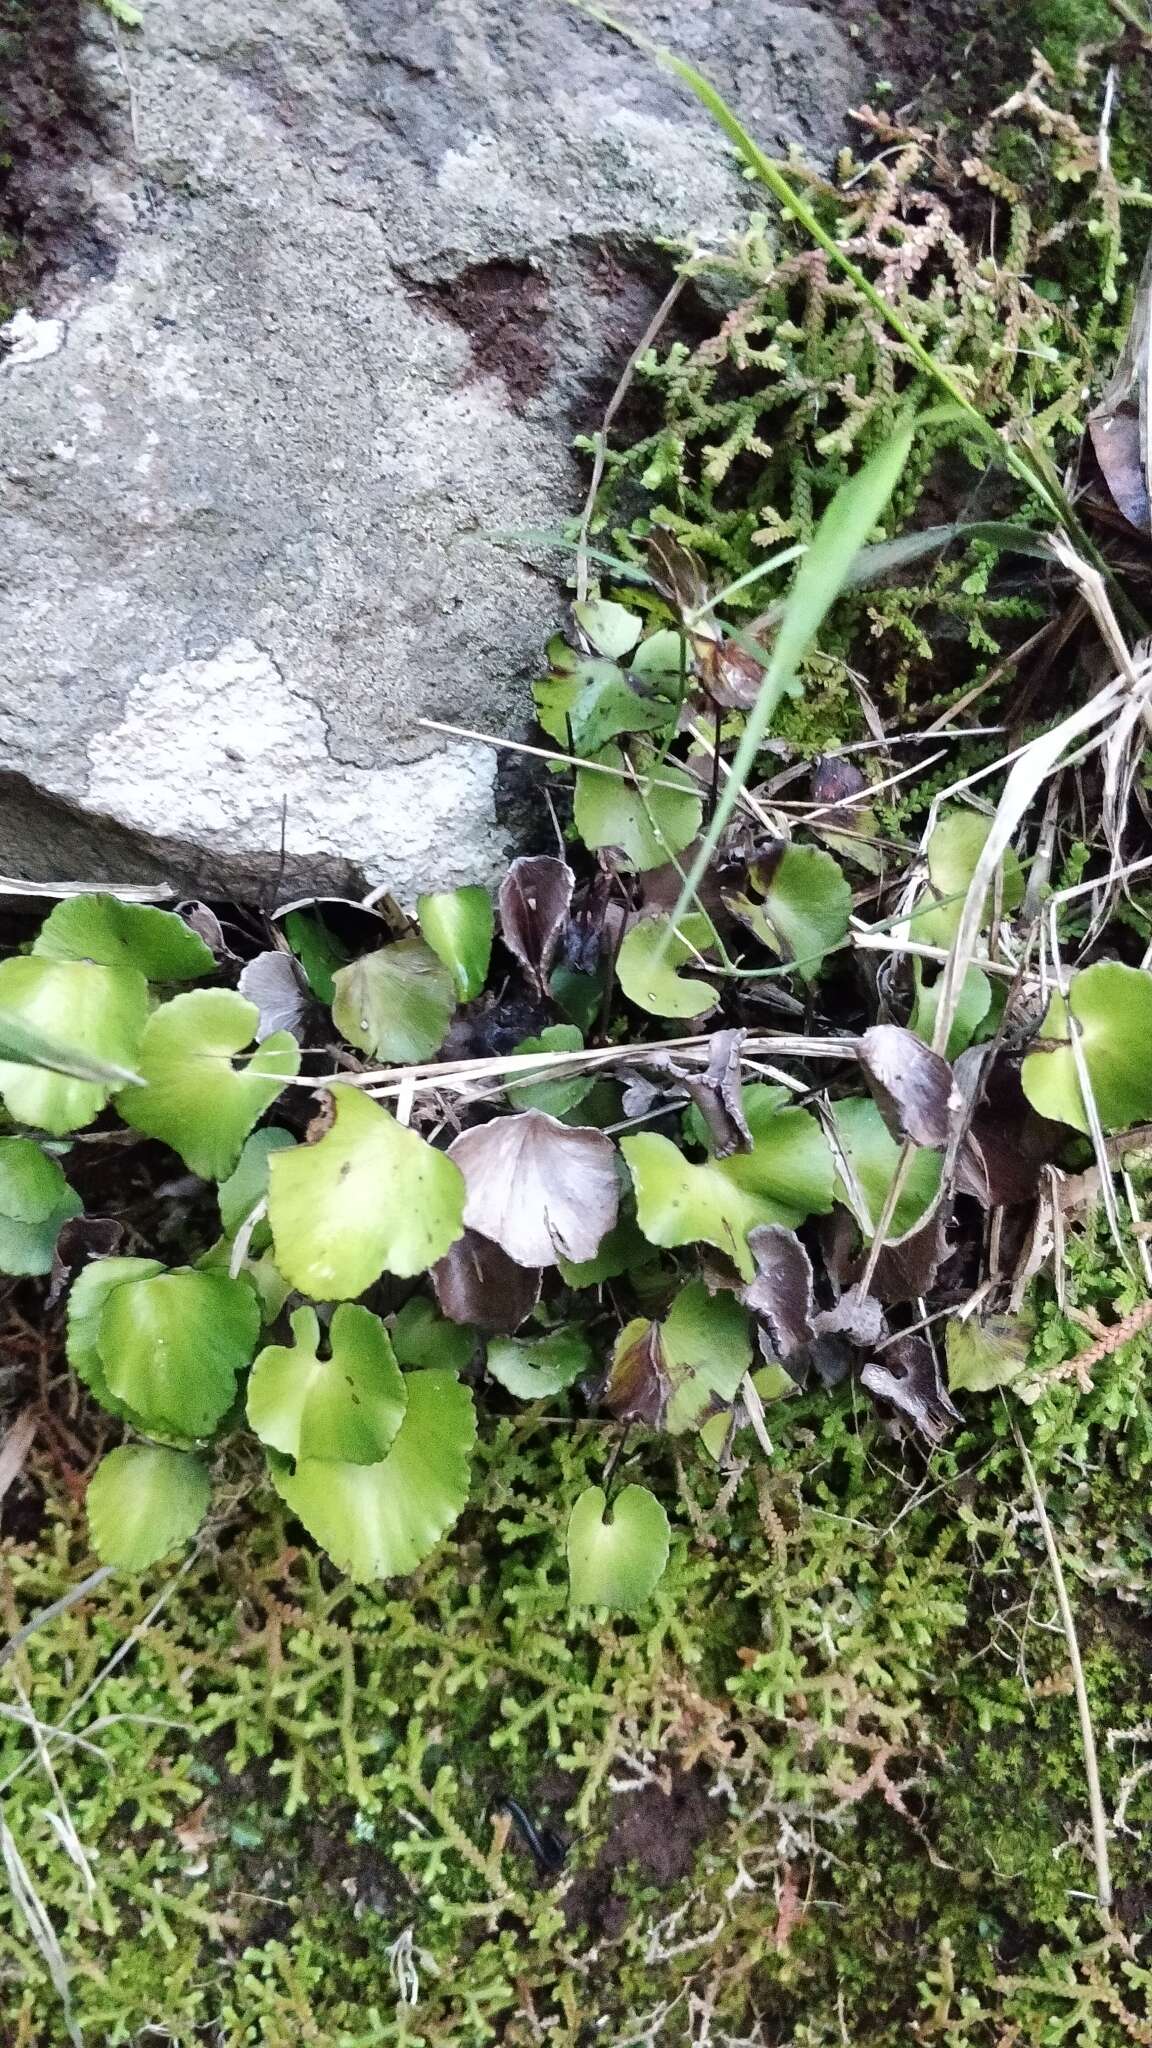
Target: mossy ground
(831,1790)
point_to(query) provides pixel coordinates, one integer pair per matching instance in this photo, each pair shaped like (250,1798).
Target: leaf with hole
(617,1556)
(95,1015)
(396,1003)
(193,1096)
(144,1501)
(786,1177)
(796,901)
(649,825)
(532,1367)
(1111,1006)
(347,1406)
(647,965)
(171,1347)
(35,1203)
(458,924)
(156,943)
(538,1188)
(380,1521)
(367,1197)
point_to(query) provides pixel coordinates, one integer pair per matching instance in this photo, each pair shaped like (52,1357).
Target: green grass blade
(842,532)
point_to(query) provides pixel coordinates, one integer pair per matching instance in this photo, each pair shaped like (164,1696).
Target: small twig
(1087,1736)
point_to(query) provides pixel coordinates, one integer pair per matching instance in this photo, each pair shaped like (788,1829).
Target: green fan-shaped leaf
(532,1367)
(379,1521)
(594,703)
(424,1341)
(797,902)
(143,1502)
(97,1013)
(786,1177)
(193,1097)
(954,848)
(872,1153)
(650,955)
(616,1559)
(554,1097)
(248,1185)
(458,925)
(649,826)
(612,628)
(709,1350)
(157,943)
(171,1347)
(261,1271)
(369,1196)
(396,1003)
(35,1200)
(987,1352)
(86,1301)
(347,1406)
(1112,1008)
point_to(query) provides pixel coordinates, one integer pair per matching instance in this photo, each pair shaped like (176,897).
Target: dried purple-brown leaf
(638,1388)
(909,1381)
(535,898)
(477,1283)
(541,1189)
(914,1088)
(781,1294)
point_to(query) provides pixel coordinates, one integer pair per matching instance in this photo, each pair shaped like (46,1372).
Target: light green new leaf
(86,1300)
(143,1502)
(1112,1006)
(972,1008)
(35,1201)
(786,1177)
(650,826)
(396,1003)
(193,1097)
(872,1154)
(379,1521)
(532,1367)
(594,703)
(172,1346)
(157,943)
(458,924)
(708,1349)
(95,1013)
(555,1097)
(616,1561)
(953,851)
(348,1406)
(612,628)
(989,1353)
(650,955)
(248,1185)
(424,1341)
(798,903)
(369,1196)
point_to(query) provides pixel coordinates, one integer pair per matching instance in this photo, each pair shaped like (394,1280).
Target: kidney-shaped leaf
(347,1406)
(616,1560)
(143,1502)
(531,1367)
(649,826)
(954,850)
(368,1196)
(35,1202)
(1112,1008)
(872,1154)
(458,925)
(193,1097)
(157,943)
(97,1013)
(647,963)
(86,1299)
(540,1189)
(396,1003)
(785,1177)
(172,1345)
(379,1521)
(797,902)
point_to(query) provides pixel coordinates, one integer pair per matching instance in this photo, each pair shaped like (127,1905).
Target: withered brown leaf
(914,1088)
(909,1381)
(535,899)
(638,1388)
(541,1189)
(476,1282)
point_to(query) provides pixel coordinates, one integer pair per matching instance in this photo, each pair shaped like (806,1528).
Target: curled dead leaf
(477,1283)
(535,899)
(914,1088)
(908,1381)
(780,1296)
(638,1387)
